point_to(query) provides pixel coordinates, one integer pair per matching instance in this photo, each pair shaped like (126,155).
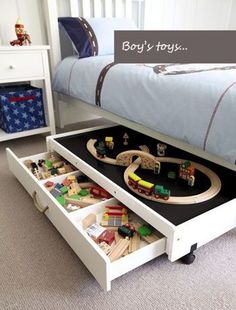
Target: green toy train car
(161,192)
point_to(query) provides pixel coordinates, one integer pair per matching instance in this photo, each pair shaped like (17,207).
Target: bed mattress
(192,103)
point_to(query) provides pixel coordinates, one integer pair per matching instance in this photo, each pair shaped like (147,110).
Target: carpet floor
(38,269)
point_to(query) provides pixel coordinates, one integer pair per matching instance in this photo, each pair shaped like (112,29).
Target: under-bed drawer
(69,225)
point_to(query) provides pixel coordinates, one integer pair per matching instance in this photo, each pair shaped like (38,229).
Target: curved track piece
(212,191)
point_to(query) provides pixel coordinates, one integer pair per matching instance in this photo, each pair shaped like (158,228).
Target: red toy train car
(99,192)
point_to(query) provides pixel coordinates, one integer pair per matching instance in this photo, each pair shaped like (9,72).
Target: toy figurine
(101,150)
(186,172)
(161,148)
(22,37)
(171,175)
(157,167)
(126,138)
(109,143)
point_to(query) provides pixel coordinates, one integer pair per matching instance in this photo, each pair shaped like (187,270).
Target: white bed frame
(67,108)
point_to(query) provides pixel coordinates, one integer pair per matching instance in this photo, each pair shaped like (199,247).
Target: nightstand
(23,64)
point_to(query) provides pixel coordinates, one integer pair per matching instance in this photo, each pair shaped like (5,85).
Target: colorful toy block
(61,200)
(114,216)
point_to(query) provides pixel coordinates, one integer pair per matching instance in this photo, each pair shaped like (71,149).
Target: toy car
(145,230)
(126,230)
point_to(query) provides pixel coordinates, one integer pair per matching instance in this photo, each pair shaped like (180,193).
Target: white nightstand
(28,63)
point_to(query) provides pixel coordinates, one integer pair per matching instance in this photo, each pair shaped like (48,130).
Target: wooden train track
(211,192)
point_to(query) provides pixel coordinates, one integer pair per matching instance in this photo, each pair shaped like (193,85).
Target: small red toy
(186,172)
(49,184)
(22,37)
(107,236)
(99,192)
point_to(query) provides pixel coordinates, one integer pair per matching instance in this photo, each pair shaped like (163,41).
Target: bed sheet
(192,103)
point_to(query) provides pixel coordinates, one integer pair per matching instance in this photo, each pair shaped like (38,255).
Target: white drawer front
(68,224)
(21,65)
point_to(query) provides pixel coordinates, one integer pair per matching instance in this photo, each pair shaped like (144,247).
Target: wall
(169,14)
(190,14)
(31,14)
(232,19)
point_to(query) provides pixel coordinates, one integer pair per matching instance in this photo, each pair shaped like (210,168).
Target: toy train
(147,188)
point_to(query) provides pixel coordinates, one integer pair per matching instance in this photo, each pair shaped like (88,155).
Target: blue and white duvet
(193,103)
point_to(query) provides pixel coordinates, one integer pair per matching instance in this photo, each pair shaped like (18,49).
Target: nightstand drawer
(19,65)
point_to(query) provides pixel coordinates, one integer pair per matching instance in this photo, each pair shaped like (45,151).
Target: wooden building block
(134,243)
(72,192)
(72,200)
(86,184)
(151,238)
(118,237)
(87,201)
(126,252)
(89,220)
(105,247)
(68,168)
(28,163)
(58,163)
(75,186)
(66,182)
(61,170)
(71,178)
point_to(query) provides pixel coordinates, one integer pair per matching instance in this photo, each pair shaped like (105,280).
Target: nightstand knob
(11,67)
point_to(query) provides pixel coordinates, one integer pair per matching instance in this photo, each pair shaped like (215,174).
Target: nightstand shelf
(24,64)
(9,136)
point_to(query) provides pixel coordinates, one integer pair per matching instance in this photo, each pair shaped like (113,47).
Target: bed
(192,107)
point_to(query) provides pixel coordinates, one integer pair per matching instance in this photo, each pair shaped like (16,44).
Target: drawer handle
(37,205)
(11,67)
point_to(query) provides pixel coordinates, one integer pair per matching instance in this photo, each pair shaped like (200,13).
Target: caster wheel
(188,259)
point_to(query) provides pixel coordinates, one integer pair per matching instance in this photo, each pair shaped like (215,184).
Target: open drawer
(69,225)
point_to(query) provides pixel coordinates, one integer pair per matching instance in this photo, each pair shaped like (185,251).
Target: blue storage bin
(21,108)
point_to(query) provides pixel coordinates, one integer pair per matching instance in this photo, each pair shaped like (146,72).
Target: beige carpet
(38,270)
